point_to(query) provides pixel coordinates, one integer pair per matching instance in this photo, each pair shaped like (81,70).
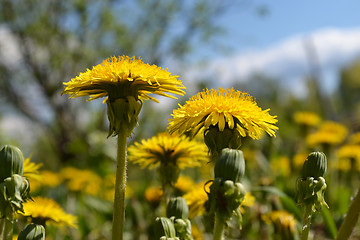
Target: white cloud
(288,60)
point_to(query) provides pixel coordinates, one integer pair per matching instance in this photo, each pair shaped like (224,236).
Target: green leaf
(329,221)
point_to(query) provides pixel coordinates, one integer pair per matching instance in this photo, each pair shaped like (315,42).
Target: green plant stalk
(120,186)
(6,229)
(218,228)
(306,222)
(351,219)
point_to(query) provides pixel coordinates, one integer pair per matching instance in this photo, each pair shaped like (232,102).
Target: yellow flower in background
(118,77)
(45,179)
(341,164)
(249,201)
(196,199)
(307,118)
(331,133)
(222,108)
(349,151)
(184,184)
(31,170)
(168,149)
(153,195)
(283,222)
(281,165)
(79,180)
(47,211)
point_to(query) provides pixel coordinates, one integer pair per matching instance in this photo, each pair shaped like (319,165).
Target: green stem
(351,219)
(120,186)
(306,222)
(218,228)
(6,229)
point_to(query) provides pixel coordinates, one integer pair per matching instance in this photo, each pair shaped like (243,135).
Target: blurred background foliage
(49,42)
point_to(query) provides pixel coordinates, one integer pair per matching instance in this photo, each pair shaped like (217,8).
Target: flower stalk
(120,186)
(6,228)
(306,223)
(218,228)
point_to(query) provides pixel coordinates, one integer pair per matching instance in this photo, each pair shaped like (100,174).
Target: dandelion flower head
(47,211)
(168,149)
(283,221)
(222,108)
(118,77)
(31,170)
(307,118)
(196,200)
(79,180)
(330,132)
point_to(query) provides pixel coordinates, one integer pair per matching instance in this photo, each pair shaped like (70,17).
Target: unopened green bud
(123,114)
(178,208)
(230,165)
(32,231)
(164,227)
(217,140)
(315,165)
(11,162)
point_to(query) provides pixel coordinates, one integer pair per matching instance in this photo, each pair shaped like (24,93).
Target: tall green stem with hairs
(120,186)
(218,228)
(306,222)
(351,219)
(6,229)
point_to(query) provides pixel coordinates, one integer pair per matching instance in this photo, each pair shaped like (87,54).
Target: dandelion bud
(164,227)
(123,114)
(230,165)
(32,231)
(315,165)
(11,162)
(178,208)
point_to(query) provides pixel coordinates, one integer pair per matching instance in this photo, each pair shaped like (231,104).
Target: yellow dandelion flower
(349,151)
(79,180)
(196,200)
(118,77)
(283,222)
(153,195)
(168,149)
(47,211)
(52,179)
(31,170)
(307,118)
(223,108)
(331,133)
(281,165)
(184,184)
(342,165)
(249,201)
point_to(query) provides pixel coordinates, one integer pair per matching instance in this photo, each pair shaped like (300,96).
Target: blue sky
(246,29)
(273,44)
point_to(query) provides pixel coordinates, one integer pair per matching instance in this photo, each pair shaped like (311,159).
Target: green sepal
(164,227)
(123,115)
(32,231)
(217,140)
(14,191)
